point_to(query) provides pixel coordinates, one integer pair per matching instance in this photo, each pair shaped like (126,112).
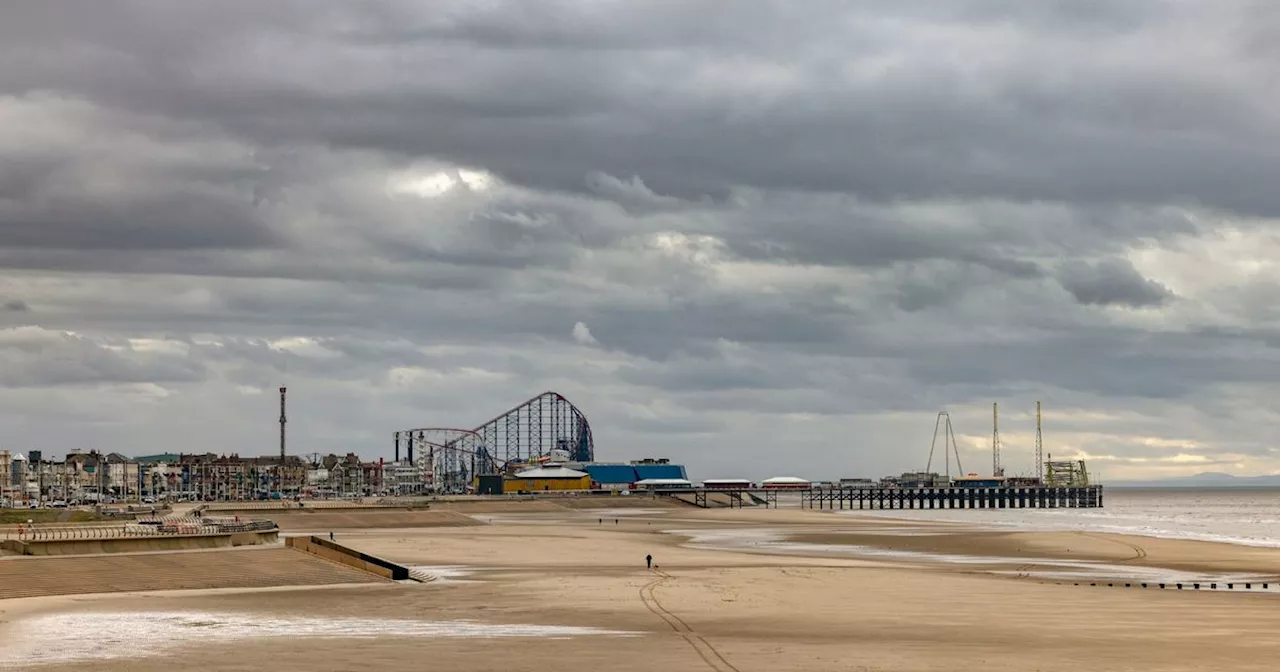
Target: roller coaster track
(533,428)
(705,651)
(524,433)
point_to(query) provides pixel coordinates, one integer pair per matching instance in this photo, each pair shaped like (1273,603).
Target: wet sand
(723,607)
(1030,547)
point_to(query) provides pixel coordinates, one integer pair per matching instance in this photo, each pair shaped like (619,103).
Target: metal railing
(168,529)
(114,532)
(246,526)
(365,502)
(403,501)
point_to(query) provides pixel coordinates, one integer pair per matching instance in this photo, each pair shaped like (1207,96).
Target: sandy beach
(759,590)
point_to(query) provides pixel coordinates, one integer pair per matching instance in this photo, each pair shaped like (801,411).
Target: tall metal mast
(995,441)
(282,421)
(1039,446)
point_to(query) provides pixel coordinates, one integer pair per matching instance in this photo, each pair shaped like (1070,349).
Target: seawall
(329,550)
(138,544)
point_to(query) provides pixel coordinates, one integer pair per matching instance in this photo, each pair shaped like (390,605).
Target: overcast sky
(760,238)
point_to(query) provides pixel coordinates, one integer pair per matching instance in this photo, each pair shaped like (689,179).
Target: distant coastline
(1208,480)
(1142,485)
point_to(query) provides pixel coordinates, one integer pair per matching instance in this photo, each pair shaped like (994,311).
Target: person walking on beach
(648,561)
(331,536)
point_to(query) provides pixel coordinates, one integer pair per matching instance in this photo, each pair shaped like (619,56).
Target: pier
(1030,497)
(736,498)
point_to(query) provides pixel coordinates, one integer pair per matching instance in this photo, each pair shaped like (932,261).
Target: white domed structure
(786,483)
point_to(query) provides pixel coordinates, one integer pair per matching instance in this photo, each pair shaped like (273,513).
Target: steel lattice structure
(533,429)
(538,426)
(451,456)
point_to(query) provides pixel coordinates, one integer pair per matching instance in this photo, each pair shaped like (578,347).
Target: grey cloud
(1112,282)
(668,424)
(1112,363)
(806,120)
(1004,237)
(33,357)
(81,177)
(708,375)
(16,306)
(636,198)
(791,223)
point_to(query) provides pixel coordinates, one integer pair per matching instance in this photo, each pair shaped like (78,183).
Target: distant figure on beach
(600,521)
(648,561)
(331,536)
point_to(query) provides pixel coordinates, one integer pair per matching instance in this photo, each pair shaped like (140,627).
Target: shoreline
(915,543)
(1118,530)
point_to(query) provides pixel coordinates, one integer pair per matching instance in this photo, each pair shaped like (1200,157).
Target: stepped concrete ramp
(231,568)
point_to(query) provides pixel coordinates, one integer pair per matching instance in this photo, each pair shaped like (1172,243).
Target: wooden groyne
(1084,497)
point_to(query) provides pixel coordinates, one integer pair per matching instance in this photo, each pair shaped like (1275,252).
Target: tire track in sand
(705,651)
(1139,553)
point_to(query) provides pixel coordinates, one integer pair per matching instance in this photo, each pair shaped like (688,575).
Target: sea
(1238,515)
(1243,516)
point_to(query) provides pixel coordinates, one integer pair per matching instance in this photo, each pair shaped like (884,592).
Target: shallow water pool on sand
(764,540)
(60,638)
(447,573)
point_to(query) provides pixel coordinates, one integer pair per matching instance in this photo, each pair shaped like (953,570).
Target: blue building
(607,476)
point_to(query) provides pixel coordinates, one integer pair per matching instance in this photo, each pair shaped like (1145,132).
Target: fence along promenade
(187,528)
(289,505)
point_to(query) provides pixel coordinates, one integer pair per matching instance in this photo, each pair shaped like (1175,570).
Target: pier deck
(1083,497)
(728,498)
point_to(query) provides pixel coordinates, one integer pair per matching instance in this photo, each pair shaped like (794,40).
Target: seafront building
(84,477)
(87,477)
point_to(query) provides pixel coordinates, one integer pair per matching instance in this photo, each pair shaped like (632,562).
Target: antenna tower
(948,443)
(282,421)
(995,441)
(1039,446)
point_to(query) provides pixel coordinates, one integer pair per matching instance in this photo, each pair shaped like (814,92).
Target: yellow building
(547,479)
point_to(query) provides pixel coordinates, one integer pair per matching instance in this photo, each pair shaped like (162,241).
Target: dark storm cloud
(75,176)
(810,105)
(771,218)
(1112,282)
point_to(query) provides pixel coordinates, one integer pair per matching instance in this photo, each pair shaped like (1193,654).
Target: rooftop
(551,472)
(664,481)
